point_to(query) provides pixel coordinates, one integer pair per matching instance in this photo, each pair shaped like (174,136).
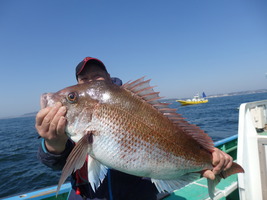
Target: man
(56,146)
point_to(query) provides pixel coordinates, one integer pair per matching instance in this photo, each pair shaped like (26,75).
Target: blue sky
(184,46)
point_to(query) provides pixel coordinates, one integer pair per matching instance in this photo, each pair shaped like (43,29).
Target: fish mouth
(43,101)
(47,100)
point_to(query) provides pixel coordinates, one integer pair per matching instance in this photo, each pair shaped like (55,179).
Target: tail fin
(212,184)
(235,168)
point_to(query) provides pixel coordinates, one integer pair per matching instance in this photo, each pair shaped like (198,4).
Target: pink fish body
(126,128)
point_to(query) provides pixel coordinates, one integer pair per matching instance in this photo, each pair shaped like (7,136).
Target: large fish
(126,128)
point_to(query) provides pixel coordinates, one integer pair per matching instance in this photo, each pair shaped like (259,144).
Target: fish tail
(212,184)
(235,168)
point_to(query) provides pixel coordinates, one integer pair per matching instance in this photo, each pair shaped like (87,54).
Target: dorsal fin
(142,88)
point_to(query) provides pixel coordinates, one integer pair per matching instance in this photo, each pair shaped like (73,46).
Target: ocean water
(21,172)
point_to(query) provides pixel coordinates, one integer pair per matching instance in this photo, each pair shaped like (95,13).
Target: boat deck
(199,190)
(263,133)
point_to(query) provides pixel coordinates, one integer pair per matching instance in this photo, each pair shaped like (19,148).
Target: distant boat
(195,100)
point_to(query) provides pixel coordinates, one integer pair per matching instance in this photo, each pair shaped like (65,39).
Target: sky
(183,46)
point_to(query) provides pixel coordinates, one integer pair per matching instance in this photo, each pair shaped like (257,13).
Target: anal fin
(171,185)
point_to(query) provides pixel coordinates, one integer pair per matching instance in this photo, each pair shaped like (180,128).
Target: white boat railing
(252,150)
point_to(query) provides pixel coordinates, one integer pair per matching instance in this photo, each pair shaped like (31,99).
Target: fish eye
(72,97)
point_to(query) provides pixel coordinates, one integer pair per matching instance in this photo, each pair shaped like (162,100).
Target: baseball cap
(86,60)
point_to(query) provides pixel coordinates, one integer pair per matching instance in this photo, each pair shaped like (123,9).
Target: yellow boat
(196,100)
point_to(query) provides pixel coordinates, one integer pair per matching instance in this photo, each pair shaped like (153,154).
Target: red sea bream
(126,128)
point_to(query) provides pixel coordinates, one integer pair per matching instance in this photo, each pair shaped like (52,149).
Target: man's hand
(50,124)
(221,162)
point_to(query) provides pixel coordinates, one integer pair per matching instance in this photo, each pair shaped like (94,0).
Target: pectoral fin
(76,158)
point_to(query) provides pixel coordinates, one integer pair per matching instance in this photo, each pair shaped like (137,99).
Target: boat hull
(184,103)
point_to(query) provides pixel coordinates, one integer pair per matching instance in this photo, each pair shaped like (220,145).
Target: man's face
(92,72)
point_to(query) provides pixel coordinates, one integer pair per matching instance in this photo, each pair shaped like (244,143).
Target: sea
(21,172)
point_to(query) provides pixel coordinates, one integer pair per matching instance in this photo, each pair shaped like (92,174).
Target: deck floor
(198,190)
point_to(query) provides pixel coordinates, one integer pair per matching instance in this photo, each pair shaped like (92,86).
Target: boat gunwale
(67,186)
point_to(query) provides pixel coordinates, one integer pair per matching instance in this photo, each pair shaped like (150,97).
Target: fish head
(80,101)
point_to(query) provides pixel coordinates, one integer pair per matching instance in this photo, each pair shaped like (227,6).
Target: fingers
(61,125)
(40,116)
(228,161)
(51,121)
(57,115)
(50,124)
(221,161)
(208,174)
